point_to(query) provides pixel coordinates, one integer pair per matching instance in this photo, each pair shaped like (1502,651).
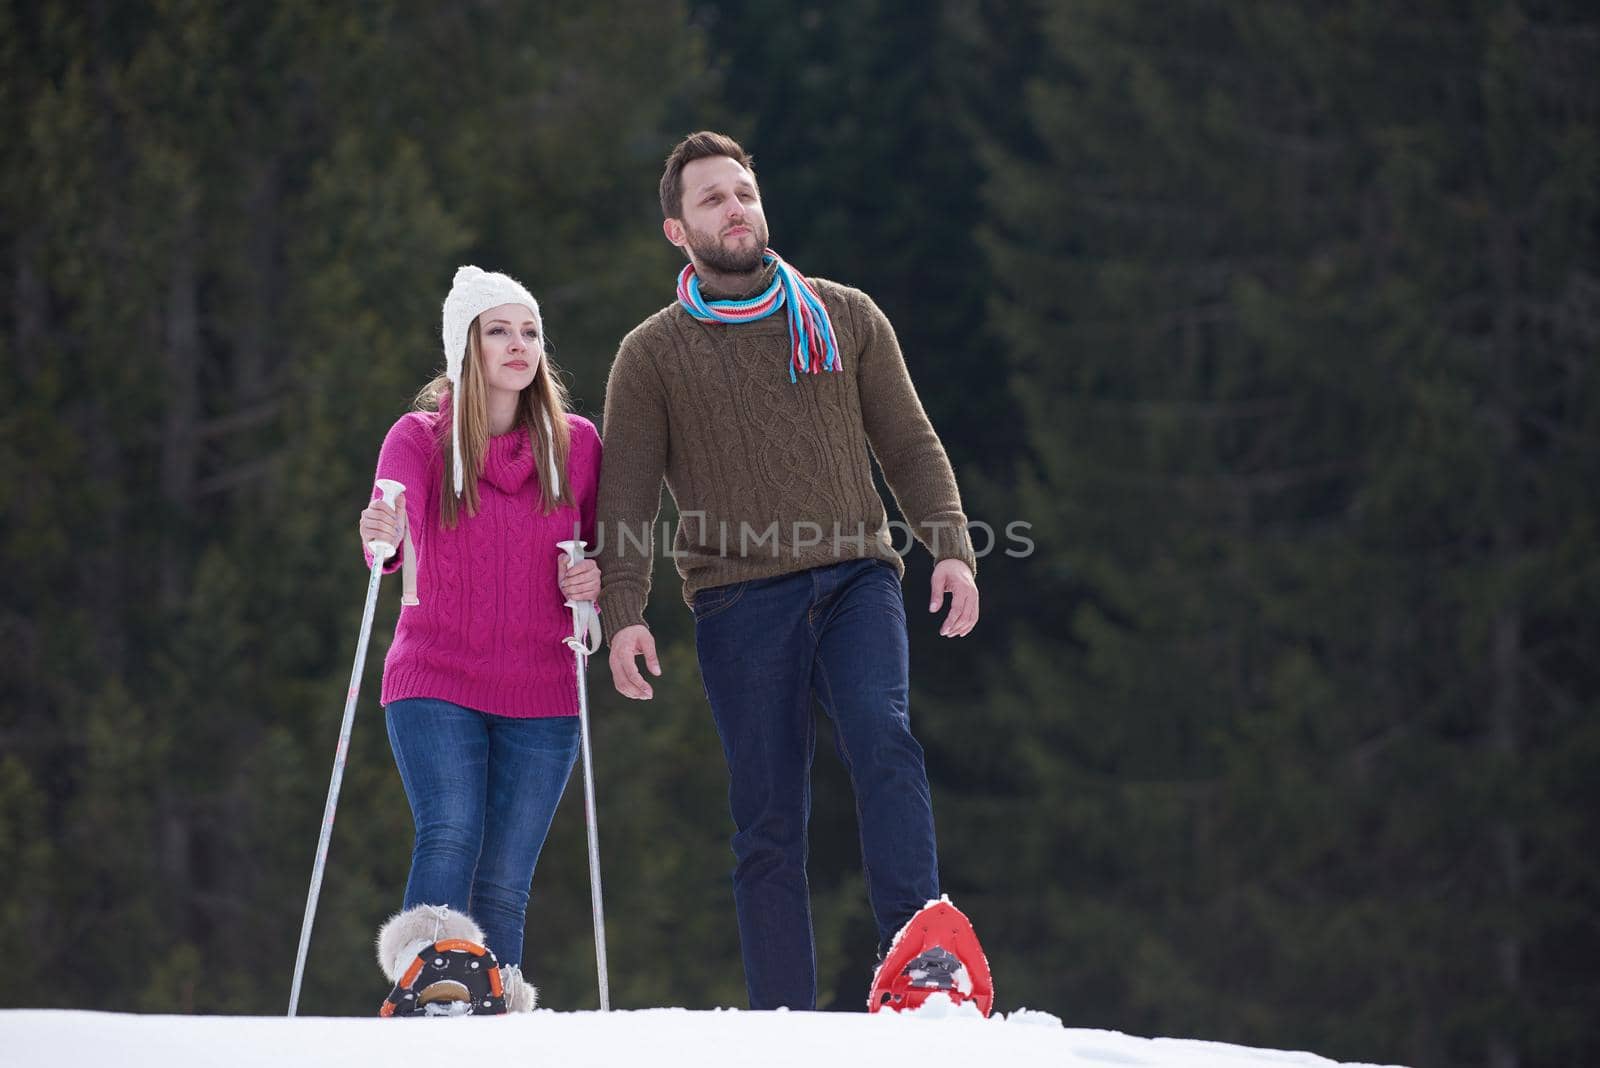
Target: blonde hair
(543,403)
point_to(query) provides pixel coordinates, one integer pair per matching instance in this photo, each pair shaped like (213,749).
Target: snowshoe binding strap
(934,969)
(452,977)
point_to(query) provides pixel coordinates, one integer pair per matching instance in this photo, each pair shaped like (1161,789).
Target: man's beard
(709,250)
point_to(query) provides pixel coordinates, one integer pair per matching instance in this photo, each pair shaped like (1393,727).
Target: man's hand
(629,642)
(955,578)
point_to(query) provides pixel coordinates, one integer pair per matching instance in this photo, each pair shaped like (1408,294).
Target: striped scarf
(812,344)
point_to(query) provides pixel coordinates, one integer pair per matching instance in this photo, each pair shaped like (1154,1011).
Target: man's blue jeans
(483,790)
(765,647)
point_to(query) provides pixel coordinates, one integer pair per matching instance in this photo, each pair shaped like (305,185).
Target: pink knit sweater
(488,632)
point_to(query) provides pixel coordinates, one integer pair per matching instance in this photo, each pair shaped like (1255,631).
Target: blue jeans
(765,648)
(483,790)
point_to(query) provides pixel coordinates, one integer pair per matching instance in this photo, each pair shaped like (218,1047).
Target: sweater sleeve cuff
(390,565)
(619,608)
(948,538)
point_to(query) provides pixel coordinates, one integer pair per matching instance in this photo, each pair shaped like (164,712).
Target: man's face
(722,226)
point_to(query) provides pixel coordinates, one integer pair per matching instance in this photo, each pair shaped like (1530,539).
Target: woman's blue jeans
(483,790)
(765,648)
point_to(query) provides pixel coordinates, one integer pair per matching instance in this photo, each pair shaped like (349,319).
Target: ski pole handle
(391,490)
(573,549)
(585,624)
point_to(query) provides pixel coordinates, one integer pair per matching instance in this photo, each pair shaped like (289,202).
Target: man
(756,394)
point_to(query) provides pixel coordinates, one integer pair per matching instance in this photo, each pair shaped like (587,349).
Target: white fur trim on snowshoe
(521,995)
(405,934)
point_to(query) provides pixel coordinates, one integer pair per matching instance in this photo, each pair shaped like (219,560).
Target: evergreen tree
(1305,457)
(225,286)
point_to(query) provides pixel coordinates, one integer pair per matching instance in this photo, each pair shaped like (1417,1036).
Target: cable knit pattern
(488,632)
(709,406)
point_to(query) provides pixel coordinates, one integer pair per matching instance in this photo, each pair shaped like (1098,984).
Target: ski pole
(381,551)
(584,641)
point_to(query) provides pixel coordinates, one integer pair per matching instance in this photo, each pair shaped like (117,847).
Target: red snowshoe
(452,977)
(936,952)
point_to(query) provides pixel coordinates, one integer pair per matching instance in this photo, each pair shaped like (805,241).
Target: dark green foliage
(1290,297)
(227,237)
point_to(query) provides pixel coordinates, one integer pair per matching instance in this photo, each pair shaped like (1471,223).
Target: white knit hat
(473,292)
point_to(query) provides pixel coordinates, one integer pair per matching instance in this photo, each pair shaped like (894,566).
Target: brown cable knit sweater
(770,476)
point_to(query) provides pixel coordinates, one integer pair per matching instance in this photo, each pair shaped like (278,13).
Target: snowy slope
(656,1038)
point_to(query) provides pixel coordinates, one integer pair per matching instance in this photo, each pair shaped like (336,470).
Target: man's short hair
(695,146)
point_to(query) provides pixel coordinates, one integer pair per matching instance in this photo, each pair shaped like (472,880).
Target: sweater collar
(508,461)
(759,283)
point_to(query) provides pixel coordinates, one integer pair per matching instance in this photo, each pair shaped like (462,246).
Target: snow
(660,1038)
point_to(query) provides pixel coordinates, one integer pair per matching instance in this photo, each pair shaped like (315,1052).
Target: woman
(478,688)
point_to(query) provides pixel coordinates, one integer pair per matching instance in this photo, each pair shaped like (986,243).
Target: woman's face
(512,347)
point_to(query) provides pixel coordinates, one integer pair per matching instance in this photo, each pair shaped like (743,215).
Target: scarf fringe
(813,346)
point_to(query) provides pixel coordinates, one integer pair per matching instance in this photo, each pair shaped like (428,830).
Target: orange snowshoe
(452,977)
